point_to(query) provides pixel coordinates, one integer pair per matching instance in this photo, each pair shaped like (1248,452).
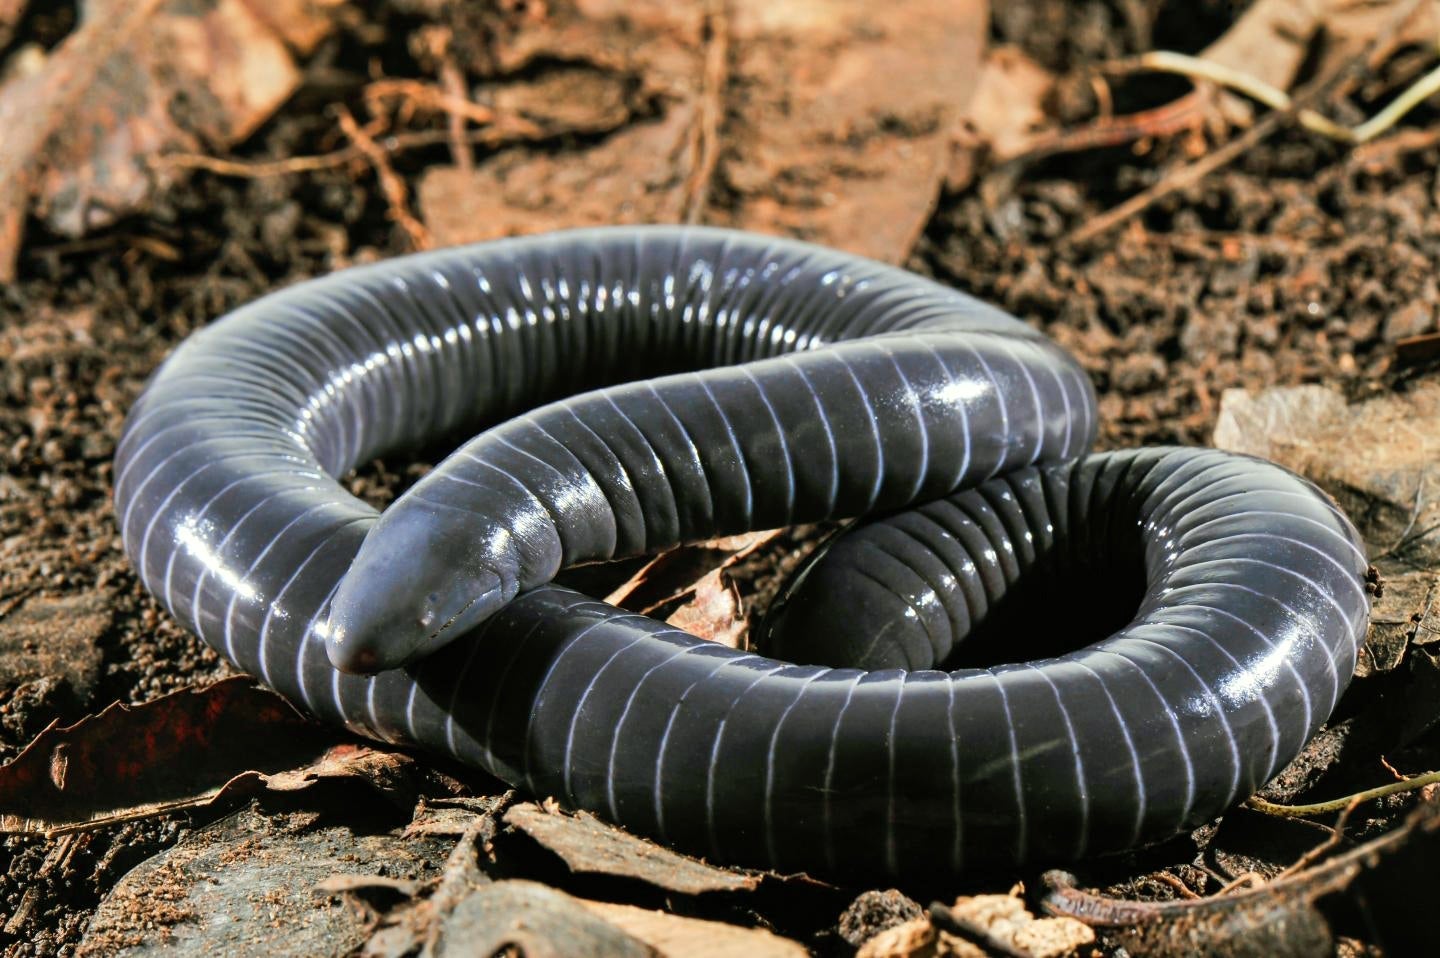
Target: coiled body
(785,383)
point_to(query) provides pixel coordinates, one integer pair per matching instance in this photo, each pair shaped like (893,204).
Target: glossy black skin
(861,389)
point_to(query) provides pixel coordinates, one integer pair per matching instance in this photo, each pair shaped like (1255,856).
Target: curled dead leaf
(184,750)
(591,846)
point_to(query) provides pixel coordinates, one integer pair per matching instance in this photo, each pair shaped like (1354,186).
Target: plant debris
(180,751)
(587,844)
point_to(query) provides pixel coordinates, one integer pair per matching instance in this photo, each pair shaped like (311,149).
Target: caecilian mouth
(459,612)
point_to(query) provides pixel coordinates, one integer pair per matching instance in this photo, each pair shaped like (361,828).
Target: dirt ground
(1302,262)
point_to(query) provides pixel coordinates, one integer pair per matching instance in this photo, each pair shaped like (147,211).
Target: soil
(1301,263)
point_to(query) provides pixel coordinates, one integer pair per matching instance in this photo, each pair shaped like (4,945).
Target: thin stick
(256,170)
(1413,96)
(428,97)
(453,82)
(707,133)
(1184,113)
(1337,835)
(1339,804)
(1180,179)
(261,169)
(391,185)
(1197,68)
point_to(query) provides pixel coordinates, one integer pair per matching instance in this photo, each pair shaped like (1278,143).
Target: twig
(946,920)
(1197,68)
(453,82)
(391,185)
(10,602)
(706,137)
(1180,179)
(1413,95)
(1405,538)
(257,169)
(428,97)
(1337,835)
(261,169)
(1181,889)
(1177,116)
(1339,804)
(1189,175)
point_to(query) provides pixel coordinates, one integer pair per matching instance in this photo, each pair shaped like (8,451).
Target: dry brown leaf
(850,152)
(694,584)
(1274,39)
(1385,876)
(675,936)
(1008,107)
(183,750)
(1378,458)
(590,846)
(713,612)
(132,81)
(1006,116)
(525,917)
(672,575)
(302,24)
(1271,39)
(1405,614)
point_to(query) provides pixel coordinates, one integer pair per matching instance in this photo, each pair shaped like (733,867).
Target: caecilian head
(420,580)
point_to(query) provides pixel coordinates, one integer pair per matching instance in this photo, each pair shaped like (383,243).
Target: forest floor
(1301,261)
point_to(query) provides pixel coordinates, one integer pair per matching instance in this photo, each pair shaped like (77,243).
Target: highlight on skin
(1030,654)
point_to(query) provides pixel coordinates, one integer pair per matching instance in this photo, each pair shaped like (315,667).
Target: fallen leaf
(132,81)
(1271,39)
(183,750)
(671,575)
(388,774)
(1404,613)
(524,917)
(850,152)
(250,883)
(1274,40)
(713,611)
(302,24)
(1377,457)
(1005,114)
(676,936)
(588,845)
(456,816)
